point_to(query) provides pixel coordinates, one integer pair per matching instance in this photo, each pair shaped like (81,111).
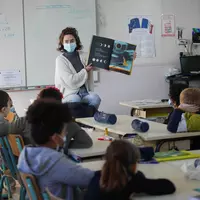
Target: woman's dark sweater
(138,184)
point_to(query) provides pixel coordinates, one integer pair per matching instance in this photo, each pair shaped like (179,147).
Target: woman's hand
(89,67)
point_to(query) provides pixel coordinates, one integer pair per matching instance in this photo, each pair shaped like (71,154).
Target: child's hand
(189,108)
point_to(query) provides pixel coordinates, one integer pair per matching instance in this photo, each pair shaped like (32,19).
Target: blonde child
(186,117)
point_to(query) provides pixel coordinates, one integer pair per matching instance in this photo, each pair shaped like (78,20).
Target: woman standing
(71,74)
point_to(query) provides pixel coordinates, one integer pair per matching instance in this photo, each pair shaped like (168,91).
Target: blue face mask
(70,47)
(12,109)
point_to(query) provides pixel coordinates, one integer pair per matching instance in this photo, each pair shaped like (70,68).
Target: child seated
(174,96)
(12,115)
(80,138)
(5,105)
(186,117)
(119,177)
(52,169)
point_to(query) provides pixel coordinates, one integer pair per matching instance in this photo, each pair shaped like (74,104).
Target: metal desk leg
(158,145)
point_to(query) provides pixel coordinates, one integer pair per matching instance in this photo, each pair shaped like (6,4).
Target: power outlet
(96,76)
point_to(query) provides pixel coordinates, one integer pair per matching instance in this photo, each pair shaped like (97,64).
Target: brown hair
(120,155)
(69,31)
(190,96)
(4,98)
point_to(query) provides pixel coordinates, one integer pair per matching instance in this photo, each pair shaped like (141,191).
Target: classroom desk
(156,135)
(148,109)
(123,126)
(96,151)
(163,170)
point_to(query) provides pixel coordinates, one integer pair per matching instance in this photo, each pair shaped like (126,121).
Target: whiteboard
(44,21)
(12,38)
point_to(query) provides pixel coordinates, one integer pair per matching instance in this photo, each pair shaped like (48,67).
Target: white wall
(147,79)
(21,100)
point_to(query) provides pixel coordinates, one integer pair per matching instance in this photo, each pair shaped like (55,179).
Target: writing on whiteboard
(3,19)
(5,33)
(52,6)
(77,12)
(5,29)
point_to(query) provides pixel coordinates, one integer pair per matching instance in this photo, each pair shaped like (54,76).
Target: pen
(105,138)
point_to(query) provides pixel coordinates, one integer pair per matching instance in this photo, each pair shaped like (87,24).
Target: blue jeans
(91,98)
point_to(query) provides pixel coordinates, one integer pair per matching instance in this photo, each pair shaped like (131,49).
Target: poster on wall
(141,33)
(168,28)
(10,78)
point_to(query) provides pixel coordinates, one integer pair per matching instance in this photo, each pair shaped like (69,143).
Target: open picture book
(111,55)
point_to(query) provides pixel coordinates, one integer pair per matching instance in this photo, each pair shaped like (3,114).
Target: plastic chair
(10,162)
(16,143)
(29,181)
(10,117)
(32,188)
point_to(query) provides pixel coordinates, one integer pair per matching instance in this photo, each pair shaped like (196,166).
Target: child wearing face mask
(186,117)
(20,126)
(12,115)
(52,169)
(174,96)
(5,105)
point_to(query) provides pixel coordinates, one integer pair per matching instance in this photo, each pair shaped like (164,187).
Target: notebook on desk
(175,155)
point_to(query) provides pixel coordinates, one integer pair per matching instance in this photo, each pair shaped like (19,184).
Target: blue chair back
(9,162)
(8,157)
(32,188)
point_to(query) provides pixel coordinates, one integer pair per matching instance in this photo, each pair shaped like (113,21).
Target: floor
(15,193)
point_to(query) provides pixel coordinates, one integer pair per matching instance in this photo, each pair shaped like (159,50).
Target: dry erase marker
(105,138)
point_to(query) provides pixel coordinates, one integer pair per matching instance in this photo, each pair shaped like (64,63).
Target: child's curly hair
(46,118)
(51,93)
